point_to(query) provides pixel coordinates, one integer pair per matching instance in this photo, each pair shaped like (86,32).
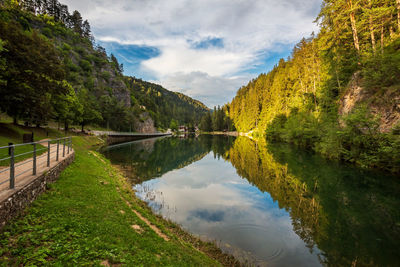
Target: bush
(85,65)
(275,129)
(302,129)
(47,32)
(383,70)
(66,47)
(106,76)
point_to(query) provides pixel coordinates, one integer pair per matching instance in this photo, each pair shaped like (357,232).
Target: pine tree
(76,22)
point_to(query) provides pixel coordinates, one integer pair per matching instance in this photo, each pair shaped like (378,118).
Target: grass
(10,133)
(84,219)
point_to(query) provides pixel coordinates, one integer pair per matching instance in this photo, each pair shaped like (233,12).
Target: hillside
(163,104)
(338,93)
(54,71)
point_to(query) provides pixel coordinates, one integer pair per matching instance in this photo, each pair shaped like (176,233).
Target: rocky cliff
(384,103)
(144,124)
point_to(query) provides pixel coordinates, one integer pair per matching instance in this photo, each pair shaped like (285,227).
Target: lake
(267,204)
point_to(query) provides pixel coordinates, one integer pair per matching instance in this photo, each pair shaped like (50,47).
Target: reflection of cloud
(208,215)
(210,199)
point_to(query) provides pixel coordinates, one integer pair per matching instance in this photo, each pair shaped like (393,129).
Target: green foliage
(218,120)
(297,101)
(85,220)
(382,70)
(34,74)
(3,63)
(164,105)
(60,44)
(173,125)
(106,76)
(206,123)
(321,197)
(85,65)
(358,140)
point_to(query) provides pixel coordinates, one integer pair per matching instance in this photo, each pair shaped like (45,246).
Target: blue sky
(206,49)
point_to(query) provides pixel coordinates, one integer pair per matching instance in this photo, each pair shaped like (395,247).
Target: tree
(67,108)
(91,112)
(87,33)
(3,64)
(398,14)
(34,70)
(352,12)
(76,22)
(117,66)
(206,123)
(173,125)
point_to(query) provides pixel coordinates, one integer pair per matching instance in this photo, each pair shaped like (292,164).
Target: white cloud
(211,90)
(247,28)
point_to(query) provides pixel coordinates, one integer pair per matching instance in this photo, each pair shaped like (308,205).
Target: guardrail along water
(19,163)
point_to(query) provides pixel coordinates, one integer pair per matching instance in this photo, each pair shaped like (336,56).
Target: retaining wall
(16,203)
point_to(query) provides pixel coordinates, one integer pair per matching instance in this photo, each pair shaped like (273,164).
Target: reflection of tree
(149,159)
(351,216)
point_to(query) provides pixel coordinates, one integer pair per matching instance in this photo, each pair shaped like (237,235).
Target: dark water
(268,204)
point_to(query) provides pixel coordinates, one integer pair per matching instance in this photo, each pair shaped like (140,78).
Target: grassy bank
(10,133)
(90,216)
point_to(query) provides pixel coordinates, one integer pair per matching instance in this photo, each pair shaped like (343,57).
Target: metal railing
(50,146)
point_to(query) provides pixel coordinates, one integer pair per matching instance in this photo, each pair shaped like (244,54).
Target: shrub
(85,65)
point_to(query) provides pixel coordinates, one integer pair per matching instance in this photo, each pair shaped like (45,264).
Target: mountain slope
(89,87)
(301,100)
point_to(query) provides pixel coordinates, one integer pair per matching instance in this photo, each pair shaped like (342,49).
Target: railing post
(34,159)
(58,144)
(64,148)
(12,168)
(48,154)
(69,143)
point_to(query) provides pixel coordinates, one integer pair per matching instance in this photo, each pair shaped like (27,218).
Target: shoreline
(92,211)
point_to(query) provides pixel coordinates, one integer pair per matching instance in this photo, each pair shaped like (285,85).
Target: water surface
(267,204)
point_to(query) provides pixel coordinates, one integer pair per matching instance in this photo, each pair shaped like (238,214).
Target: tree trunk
(353,25)
(66,126)
(371,28)
(83,125)
(398,14)
(391,31)
(382,35)
(15,121)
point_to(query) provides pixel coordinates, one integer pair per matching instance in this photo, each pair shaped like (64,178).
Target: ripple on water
(252,243)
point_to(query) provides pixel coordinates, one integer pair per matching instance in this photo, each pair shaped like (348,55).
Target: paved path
(25,172)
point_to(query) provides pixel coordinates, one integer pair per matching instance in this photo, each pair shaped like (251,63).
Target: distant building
(183,128)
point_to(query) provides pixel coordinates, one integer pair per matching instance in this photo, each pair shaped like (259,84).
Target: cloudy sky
(206,49)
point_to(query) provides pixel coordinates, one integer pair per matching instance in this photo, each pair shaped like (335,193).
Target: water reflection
(268,204)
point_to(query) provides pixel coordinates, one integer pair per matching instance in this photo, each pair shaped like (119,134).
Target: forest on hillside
(301,100)
(52,70)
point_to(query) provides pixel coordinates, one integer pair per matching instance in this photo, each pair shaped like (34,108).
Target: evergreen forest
(51,69)
(339,92)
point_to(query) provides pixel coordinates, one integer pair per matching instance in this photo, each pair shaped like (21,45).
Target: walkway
(25,171)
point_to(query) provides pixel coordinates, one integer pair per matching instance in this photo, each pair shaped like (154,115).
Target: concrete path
(24,170)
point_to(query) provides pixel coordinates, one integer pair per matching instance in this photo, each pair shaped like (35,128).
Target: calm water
(268,204)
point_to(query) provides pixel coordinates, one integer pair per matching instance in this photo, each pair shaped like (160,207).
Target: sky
(206,49)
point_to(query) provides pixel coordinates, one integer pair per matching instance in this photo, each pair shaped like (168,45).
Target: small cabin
(183,128)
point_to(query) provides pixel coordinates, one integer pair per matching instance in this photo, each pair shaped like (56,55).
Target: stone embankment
(14,201)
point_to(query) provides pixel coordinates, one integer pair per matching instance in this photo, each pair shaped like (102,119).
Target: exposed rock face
(354,94)
(145,124)
(384,103)
(121,92)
